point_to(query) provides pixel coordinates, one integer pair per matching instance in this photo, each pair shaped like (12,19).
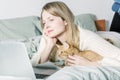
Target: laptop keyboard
(41,76)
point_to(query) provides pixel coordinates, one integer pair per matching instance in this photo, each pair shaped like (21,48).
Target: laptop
(14,62)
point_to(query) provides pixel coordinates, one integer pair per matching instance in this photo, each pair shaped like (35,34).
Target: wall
(20,8)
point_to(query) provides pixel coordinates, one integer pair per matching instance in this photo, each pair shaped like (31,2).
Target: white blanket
(87,73)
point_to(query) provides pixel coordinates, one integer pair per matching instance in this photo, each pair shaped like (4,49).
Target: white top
(91,41)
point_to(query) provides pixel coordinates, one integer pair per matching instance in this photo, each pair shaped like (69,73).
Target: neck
(62,38)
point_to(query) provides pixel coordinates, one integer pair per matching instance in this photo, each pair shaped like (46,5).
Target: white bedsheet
(114,36)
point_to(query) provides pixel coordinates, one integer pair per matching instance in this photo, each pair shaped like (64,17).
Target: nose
(46,26)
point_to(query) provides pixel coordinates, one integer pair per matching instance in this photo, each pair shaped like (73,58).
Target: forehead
(46,15)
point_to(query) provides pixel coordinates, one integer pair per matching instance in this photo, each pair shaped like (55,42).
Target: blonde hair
(60,9)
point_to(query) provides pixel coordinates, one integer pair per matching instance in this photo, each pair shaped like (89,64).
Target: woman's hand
(50,41)
(77,60)
(48,45)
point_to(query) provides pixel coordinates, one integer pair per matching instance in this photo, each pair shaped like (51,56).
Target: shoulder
(84,33)
(87,38)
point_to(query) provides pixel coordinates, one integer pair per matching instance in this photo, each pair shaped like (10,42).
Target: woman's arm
(110,53)
(47,43)
(91,41)
(45,48)
(77,60)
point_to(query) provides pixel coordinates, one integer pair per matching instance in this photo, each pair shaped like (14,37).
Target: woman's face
(54,26)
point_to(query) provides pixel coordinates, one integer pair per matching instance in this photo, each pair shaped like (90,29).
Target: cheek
(59,30)
(56,32)
(60,23)
(61,26)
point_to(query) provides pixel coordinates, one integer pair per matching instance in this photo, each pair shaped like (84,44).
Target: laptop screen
(14,60)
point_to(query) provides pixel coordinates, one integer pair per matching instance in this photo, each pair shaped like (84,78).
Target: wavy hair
(60,9)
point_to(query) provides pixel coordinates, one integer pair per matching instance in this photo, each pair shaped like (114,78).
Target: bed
(28,30)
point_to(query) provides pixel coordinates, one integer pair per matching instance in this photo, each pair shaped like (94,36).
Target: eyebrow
(47,18)
(44,20)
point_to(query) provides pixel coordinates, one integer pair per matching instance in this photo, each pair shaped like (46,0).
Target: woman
(58,25)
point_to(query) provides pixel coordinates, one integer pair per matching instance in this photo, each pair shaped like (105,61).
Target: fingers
(45,32)
(74,60)
(70,60)
(49,40)
(74,57)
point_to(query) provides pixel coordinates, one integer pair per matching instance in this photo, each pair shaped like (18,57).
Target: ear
(65,22)
(66,45)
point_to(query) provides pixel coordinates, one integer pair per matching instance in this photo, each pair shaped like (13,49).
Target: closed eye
(51,19)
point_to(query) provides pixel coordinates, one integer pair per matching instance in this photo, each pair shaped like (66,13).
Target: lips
(50,31)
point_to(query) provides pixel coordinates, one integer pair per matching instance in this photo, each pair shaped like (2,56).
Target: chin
(52,36)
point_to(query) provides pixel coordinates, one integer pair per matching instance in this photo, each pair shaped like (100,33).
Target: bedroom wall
(21,8)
